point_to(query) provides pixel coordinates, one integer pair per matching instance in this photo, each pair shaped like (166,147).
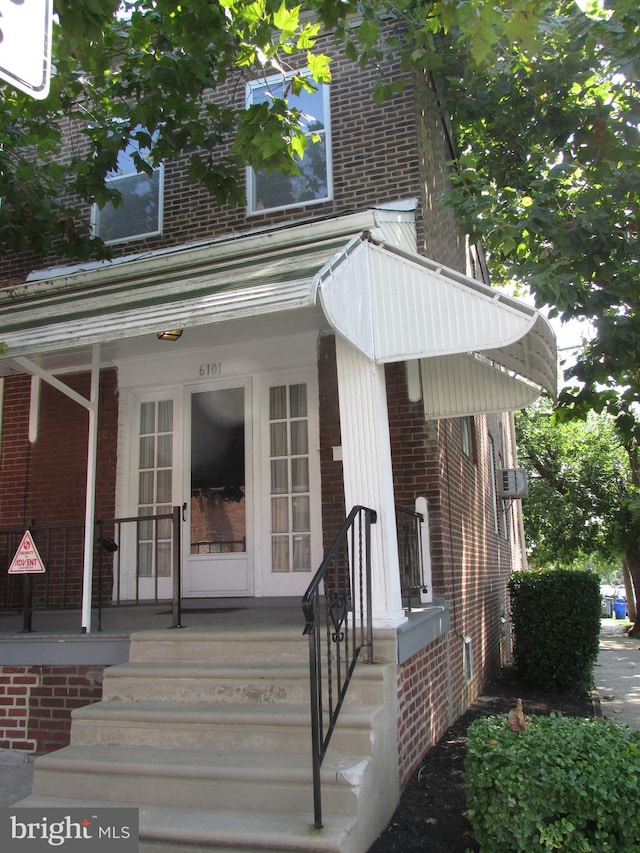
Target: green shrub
(556,624)
(563,784)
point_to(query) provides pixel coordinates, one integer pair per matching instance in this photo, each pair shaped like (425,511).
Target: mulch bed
(430,816)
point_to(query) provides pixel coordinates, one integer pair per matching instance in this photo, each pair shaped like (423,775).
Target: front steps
(208,734)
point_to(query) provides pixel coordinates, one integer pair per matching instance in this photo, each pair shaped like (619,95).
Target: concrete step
(265,683)
(260,782)
(223,727)
(165,829)
(205,645)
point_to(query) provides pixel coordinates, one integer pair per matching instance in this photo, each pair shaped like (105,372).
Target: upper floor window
(139,213)
(273,190)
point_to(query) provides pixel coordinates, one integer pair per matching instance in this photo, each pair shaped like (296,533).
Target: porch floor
(221,615)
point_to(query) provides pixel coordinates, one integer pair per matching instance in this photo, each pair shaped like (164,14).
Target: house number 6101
(213,369)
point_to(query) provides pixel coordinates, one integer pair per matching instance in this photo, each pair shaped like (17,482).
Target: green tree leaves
(580,482)
(160,64)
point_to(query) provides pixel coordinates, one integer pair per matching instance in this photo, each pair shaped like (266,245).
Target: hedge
(556,625)
(562,784)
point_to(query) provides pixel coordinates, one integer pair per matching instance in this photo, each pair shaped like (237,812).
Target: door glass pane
(279,439)
(299,442)
(280,515)
(298,401)
(301,553)
(145,559)
(300,475)
(165,416)
(164,559)
(165,480)
(218,512)
(290,514)
(280,554)
(147,418)
(165,451)
(147,451)
(279,477)
(145,528)
(164,524)
(278,403)
(146,487)
(300,513)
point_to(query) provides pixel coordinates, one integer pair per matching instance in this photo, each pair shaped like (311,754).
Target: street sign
(27,560)
(25,45)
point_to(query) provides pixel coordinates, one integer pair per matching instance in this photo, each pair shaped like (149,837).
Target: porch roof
(389,302)
(473,341)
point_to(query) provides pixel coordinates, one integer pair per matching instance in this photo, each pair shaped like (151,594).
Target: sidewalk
(16,776)
(616,674)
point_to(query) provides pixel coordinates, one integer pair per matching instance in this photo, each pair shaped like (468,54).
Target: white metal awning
(389,302)
(476,343)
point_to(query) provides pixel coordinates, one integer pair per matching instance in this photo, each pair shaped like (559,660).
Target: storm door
(217,457)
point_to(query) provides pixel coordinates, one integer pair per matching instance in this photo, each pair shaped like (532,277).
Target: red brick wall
(333,508)
(37,702)
(471,563)
(423,709)
(45,482)
(375,159)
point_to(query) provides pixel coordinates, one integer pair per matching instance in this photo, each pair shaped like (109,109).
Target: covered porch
(264,300)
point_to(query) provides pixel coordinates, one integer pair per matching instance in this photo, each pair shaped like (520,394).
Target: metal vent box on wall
(512,483)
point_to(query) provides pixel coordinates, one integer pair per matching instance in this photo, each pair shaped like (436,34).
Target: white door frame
(196,568)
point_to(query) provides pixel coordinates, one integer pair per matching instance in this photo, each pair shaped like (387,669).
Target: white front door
(217,534)
(240,456)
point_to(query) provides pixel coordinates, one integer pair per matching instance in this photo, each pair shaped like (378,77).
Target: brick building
(336,345)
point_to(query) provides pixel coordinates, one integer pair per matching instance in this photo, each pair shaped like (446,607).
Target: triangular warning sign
(27,560)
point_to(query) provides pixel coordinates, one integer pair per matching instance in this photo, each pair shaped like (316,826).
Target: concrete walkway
(617,674)
(617,678)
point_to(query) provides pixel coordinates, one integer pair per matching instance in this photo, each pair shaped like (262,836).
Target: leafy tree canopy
(580,487)
(549,179)
(142,72)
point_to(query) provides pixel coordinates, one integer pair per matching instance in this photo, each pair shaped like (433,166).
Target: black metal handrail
(339,596)
(410,556)
(115,527)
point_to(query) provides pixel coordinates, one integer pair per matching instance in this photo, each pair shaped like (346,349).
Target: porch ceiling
(470,338)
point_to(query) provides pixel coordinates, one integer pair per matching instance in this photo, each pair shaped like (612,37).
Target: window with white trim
(139,213)
(155,487)
(493,484)
(467,429)
(290,481)
(274,190)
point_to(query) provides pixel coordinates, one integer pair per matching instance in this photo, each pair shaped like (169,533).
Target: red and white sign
(25,45)
(27,560)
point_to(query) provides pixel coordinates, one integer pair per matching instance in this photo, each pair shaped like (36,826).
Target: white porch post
(91,405)
(90,500)
(368,479)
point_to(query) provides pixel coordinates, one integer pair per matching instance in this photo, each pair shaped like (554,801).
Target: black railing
(61,547)
(160,534)
(337,608)
(410,556)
